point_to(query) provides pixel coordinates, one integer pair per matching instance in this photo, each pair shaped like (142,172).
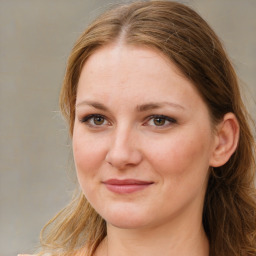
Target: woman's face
(143,139)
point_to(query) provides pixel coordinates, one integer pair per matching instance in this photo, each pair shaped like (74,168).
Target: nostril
(123,158)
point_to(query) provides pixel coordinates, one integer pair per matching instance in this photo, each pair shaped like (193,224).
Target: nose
(124,150)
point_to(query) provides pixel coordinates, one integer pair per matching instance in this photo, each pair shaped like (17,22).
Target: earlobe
(226,140)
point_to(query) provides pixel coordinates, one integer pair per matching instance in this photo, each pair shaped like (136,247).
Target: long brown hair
(229,215)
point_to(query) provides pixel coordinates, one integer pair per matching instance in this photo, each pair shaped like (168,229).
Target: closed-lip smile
(126,186)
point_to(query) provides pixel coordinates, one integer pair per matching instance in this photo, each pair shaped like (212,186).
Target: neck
(163,240)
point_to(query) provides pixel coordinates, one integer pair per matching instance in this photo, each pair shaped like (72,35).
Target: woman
(161,141)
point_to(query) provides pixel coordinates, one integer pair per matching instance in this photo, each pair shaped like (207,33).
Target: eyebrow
(156,105)
(139,108)
(93,104)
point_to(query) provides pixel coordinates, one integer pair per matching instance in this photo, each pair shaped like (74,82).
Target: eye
(98,120)
(160,121)
(94,120)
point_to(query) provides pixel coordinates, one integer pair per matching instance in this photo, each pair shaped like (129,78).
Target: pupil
(98,120)
(159,121)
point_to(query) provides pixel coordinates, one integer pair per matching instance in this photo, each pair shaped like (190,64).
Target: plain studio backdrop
(36,176)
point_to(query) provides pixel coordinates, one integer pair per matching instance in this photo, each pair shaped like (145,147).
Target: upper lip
(126,182)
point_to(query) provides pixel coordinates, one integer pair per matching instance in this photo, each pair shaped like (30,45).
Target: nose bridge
(123,150)
(123,137)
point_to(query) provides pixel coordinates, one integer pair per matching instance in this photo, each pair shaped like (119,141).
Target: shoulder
(26,255)
(80,252)
(39,254)
(45,254)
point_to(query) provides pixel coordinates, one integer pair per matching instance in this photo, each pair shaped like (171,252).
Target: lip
(126,186)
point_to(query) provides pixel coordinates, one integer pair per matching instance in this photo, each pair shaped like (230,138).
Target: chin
(127,223)
(125,218)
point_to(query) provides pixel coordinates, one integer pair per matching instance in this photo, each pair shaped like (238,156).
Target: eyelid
(170,121)
(86,119)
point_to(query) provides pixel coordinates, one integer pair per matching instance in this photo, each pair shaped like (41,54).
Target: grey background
(36,36)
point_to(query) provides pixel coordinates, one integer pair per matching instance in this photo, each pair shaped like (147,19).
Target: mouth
(126,186)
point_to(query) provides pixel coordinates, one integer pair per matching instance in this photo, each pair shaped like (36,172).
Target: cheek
(182,164)
(88,154)
(182,155)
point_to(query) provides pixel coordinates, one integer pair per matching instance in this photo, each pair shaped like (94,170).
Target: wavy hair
(229,214)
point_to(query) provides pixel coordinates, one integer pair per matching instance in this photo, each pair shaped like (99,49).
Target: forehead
(127,62)
(138,72)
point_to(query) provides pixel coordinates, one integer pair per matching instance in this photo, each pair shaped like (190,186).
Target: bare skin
(138,118)
(124,129)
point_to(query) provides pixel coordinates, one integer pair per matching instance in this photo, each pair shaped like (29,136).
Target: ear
(226,140)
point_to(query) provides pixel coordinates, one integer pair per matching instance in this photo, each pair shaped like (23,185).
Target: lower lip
(126,189)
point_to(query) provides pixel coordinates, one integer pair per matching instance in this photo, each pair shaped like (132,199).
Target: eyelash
(164,118)
(90,118)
